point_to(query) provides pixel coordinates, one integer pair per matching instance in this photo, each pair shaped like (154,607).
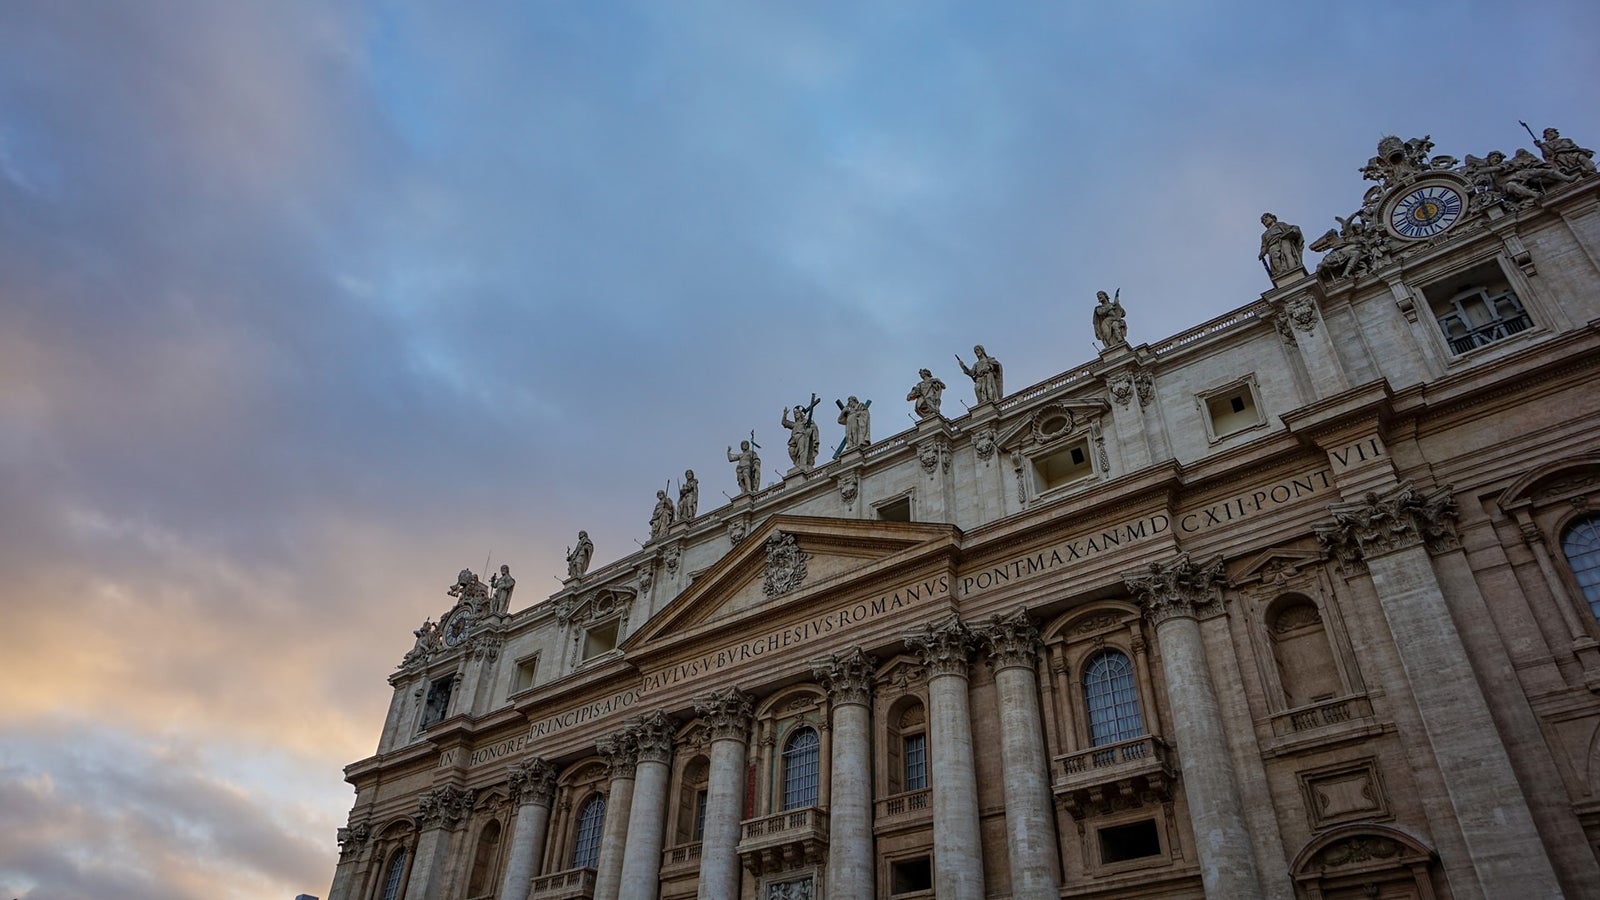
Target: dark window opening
(438,705)
(896,510)
(1120,843)
(911,875)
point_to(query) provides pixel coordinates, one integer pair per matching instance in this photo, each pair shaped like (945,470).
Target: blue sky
(304,306)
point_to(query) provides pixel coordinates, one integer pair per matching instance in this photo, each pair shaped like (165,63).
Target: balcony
(573,884)
(1115,776)
(784,841)
(912,809)
(679,861)
(1323,717)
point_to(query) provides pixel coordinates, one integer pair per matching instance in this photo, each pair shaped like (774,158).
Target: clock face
(456,629)
(1426,210)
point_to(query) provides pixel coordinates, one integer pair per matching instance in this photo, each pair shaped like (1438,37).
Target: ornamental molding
(726,714)
(1011,641)
(1297,314)
(943,648)
(653,735)
(532,781)
(444,807)
(351,838)
(847,676)
(1178,588)
(1387,522)
(849,487)
(786,565)
(620,751)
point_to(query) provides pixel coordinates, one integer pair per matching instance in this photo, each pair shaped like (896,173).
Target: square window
(897,510)
(1136,840)
(1231,408)
(1062,467)
(909,876)
(527,669)
(1476,308)
(601,638)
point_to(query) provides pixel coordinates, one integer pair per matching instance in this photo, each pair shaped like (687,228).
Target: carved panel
(1343,792)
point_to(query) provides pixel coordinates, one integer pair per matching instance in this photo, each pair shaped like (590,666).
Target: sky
(305,305)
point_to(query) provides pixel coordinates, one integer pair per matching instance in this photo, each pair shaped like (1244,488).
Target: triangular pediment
(809,557)
(1276,565)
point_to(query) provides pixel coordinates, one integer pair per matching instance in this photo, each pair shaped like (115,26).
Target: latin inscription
(545,727)
(1364,450)
(1090,546)
(795,635)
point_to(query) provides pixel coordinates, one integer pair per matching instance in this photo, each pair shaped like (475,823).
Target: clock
(1425,210)
(456,628)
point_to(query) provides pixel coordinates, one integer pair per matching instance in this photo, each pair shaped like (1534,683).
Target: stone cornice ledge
(1373,401)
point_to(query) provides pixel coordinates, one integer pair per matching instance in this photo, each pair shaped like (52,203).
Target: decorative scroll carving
(1144,384)
(786,565)
(943,648)
(737,529)
(847,676)
(932,455)
(983,443)
(849,487)
(445,806)
(532,781)
(620,752)
(352,838)
(1296,314)
(1121,386)
(1384,523)
(652,735)
(1357,849)
(672,556)
(1011,641)
(726,713)
(1178,587)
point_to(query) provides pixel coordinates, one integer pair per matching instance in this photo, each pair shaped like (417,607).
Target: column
(957,838)
(1174,594)
(1013,645)
(439,812)
(726,714)
(1392,533)
(847,677)
(647,818)
(352,841)
(621,754)
(533,786)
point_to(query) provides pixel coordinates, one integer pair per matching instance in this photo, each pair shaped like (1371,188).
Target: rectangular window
(438,704)
(1232,410)
(600,639)
(898,510)
(527,668)
(1136,840)
(908,876)
(699,816)
(1064,466)
(1476,308)
(916,757)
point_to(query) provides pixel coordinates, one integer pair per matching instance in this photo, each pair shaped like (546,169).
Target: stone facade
(1298,603)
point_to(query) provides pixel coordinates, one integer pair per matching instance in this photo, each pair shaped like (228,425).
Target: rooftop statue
(578,557)
(1282,247)
(503,585)
(661,517)
(856,417)
(803,438)
(1565,154)
(747,465)
(1355,248)
(986,374)
(1110,320)
(927,394)
(688,496)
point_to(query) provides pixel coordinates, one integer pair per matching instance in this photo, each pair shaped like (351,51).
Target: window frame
(584,840)
(1140,719)
(796,778)
(1248,383)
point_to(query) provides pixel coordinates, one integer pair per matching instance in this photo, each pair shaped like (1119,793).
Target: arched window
(1300,648)
(483,861)
(1112,698)
(394,876)
(591,820)
(800,768)
(1581,544)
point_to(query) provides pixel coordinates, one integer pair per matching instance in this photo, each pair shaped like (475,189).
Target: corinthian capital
(847,676)
(1381,523)
(1011,641)
(726,714)
(532,781)
(944,647)
(620,750)
(445,806)
(652,734)
(351,838)
(1176,588)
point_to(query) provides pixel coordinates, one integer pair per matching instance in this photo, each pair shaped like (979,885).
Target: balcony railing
(912,809)
(573,884)
(1483,335)
(784,840)
(680,860)
(1092,779)
(1322,714)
